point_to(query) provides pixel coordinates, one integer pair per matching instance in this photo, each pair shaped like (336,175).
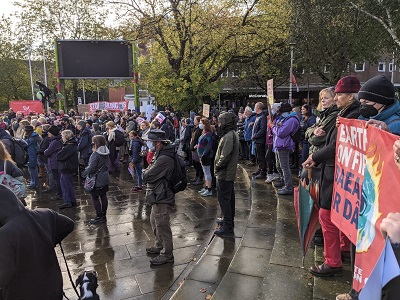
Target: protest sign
(206,110)
(270,91)
(110,106)
(27,106)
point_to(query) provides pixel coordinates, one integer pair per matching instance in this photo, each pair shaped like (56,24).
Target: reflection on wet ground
(116,250)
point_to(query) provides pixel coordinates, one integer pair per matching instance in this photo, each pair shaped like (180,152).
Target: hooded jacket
(158,175)
(68,157)
(282,133)
(29,266)
(33,146)
(227,155)
(248,129)
(98,162)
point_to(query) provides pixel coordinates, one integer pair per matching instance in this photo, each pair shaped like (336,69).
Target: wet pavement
(116,250)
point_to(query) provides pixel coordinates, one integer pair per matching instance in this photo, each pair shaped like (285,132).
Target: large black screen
(94,59)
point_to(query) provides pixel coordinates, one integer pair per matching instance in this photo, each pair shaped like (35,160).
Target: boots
(41,172)
(100,218)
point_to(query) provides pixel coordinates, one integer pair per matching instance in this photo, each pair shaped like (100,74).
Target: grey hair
(248,108)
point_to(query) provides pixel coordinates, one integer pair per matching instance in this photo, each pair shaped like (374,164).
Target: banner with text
(27,106)
(270,91)
(365,175)
(111,106)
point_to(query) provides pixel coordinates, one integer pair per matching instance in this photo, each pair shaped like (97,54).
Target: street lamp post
(291,72)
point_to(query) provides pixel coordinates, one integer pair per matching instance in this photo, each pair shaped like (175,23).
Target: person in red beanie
(334,242)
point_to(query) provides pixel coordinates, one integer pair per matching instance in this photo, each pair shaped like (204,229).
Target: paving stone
(194,290)
(224,247)
(259,237)
(238,287)
(250,261)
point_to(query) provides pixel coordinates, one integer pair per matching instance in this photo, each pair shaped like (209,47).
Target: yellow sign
(270,91)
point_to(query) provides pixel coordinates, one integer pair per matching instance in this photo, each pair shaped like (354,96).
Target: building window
(327,68)
(381,67)
(236,73)
(359,67)
(391,67)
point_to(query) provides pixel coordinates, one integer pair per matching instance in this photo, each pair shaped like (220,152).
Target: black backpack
(296,136)
(178,180)
(19,152)
(119,138)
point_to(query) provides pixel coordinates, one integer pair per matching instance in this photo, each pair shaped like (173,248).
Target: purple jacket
(51,152)
(282,137)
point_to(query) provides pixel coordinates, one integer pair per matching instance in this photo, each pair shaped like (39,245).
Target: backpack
(119,138)
(178,180)
(19,152)
(296,136)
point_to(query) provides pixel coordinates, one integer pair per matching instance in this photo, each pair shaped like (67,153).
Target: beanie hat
(348,84)
(378,89)
(28,128)
(54,130)
(285,107)
(82,124)
(90,122)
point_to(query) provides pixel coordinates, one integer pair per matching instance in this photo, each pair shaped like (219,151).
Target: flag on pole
(295,82)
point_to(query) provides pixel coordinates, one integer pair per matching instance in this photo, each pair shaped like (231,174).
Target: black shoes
(224,231)
(256,173)
(162,259)
(261,175)
(326,271)
(98,220)
(67,205)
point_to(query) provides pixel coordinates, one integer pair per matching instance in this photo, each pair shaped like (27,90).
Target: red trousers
(334,240)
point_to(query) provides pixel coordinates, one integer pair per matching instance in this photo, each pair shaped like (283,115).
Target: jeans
(283,157)
(33,172)
(159,220)
(67,188)
(139,173)
(226,199)
(56,180)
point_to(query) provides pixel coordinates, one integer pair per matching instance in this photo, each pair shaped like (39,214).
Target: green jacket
(327,121)
(227,157)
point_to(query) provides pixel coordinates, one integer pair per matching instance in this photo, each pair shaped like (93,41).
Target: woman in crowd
(42,159)
(135,148)
(84,142)
(33,140)
(144,130)
(307,120)
(111,128)
(205,154)
(346,100)
(68,165)
(54,147)
(98,166)
(196,133)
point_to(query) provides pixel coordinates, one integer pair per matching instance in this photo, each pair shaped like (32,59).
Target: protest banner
(206,110)
(27,106)
(365,175)
(270,91)
(110,106)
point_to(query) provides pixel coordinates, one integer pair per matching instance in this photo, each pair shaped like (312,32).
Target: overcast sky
(7,7)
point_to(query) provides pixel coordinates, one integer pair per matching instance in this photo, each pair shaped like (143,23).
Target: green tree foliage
(333,34)
(385,13)
(193,42)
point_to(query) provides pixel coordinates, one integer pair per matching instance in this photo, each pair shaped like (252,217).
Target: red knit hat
(348,84)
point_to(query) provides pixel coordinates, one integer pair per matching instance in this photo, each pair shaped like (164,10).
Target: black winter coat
(68,157)
(260,128)
(326,157)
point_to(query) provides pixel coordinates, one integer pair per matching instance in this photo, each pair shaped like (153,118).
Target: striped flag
(295,82)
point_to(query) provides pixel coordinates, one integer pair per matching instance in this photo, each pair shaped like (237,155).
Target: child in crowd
(135,148)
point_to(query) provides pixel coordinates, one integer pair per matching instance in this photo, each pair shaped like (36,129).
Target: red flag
(295,82)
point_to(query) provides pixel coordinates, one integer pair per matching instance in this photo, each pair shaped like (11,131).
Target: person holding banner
(346,99)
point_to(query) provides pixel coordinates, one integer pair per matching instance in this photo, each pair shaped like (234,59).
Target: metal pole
(57,75)
(135,77)
(393,67)
(98,92)
(30,71)
(83,91)
(291,73)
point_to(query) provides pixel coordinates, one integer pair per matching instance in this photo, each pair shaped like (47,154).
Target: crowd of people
(278,141)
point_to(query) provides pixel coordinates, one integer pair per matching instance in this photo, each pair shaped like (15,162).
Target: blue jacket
(33,146)
(51,152)
(248,130)
(135,146)
(391,116)
(282,133)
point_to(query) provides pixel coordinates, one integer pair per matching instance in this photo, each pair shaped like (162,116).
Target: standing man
(259,139)
(225,164)
(160,196)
